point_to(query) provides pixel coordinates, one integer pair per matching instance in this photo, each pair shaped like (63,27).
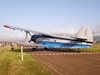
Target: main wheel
(46,48)
(33,49)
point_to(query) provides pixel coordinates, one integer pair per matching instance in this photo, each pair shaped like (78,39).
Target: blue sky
(48,15)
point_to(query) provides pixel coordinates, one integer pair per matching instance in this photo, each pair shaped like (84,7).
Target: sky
(49,16)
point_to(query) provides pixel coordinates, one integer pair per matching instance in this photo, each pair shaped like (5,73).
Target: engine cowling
(34,37)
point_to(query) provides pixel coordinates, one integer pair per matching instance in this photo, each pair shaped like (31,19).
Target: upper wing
(22,29)
(44,34)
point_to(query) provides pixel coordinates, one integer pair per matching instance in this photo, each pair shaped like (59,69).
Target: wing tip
(7,26)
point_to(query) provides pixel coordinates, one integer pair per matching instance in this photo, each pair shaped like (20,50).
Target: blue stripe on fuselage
(59,44)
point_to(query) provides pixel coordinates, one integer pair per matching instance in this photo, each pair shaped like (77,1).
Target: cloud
(59,32)
(11,37)
(71,31)
(96,34)
(96,31)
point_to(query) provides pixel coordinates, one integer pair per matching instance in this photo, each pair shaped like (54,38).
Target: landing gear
(46,48)
(78,50)
(33,49)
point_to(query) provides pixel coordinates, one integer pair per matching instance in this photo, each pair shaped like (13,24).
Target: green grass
(11,64)
(90,49)
(94,48)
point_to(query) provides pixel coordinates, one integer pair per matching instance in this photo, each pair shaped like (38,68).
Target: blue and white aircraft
(83,38)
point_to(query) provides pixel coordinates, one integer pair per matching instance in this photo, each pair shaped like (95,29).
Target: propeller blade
(30,34)
(26,40)
(29,41)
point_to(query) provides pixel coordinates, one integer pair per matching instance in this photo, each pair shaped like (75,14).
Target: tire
(46,48)
(33,49)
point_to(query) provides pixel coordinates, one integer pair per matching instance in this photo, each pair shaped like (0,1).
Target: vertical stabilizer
(85,33)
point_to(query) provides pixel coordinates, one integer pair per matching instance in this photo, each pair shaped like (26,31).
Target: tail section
(85,33)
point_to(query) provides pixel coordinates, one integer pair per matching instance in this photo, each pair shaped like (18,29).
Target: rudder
(85,33)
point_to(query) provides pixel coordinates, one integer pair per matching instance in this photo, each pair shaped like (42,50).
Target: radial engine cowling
(34,37)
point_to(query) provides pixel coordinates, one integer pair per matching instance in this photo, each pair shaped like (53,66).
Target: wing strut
(26,39)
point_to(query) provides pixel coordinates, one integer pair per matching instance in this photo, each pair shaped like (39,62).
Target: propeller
(26,40)
(30,34)
(30,39)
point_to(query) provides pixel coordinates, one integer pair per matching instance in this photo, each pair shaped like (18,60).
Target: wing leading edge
(40,33)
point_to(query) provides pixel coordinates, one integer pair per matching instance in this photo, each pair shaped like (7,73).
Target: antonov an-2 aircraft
(83,39)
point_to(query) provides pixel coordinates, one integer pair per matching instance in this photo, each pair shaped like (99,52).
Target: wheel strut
(78,50)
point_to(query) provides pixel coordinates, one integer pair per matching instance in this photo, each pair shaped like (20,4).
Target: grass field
(11,64)
(94,48)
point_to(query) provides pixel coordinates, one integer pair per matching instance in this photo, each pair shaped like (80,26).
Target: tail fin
(85,33)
